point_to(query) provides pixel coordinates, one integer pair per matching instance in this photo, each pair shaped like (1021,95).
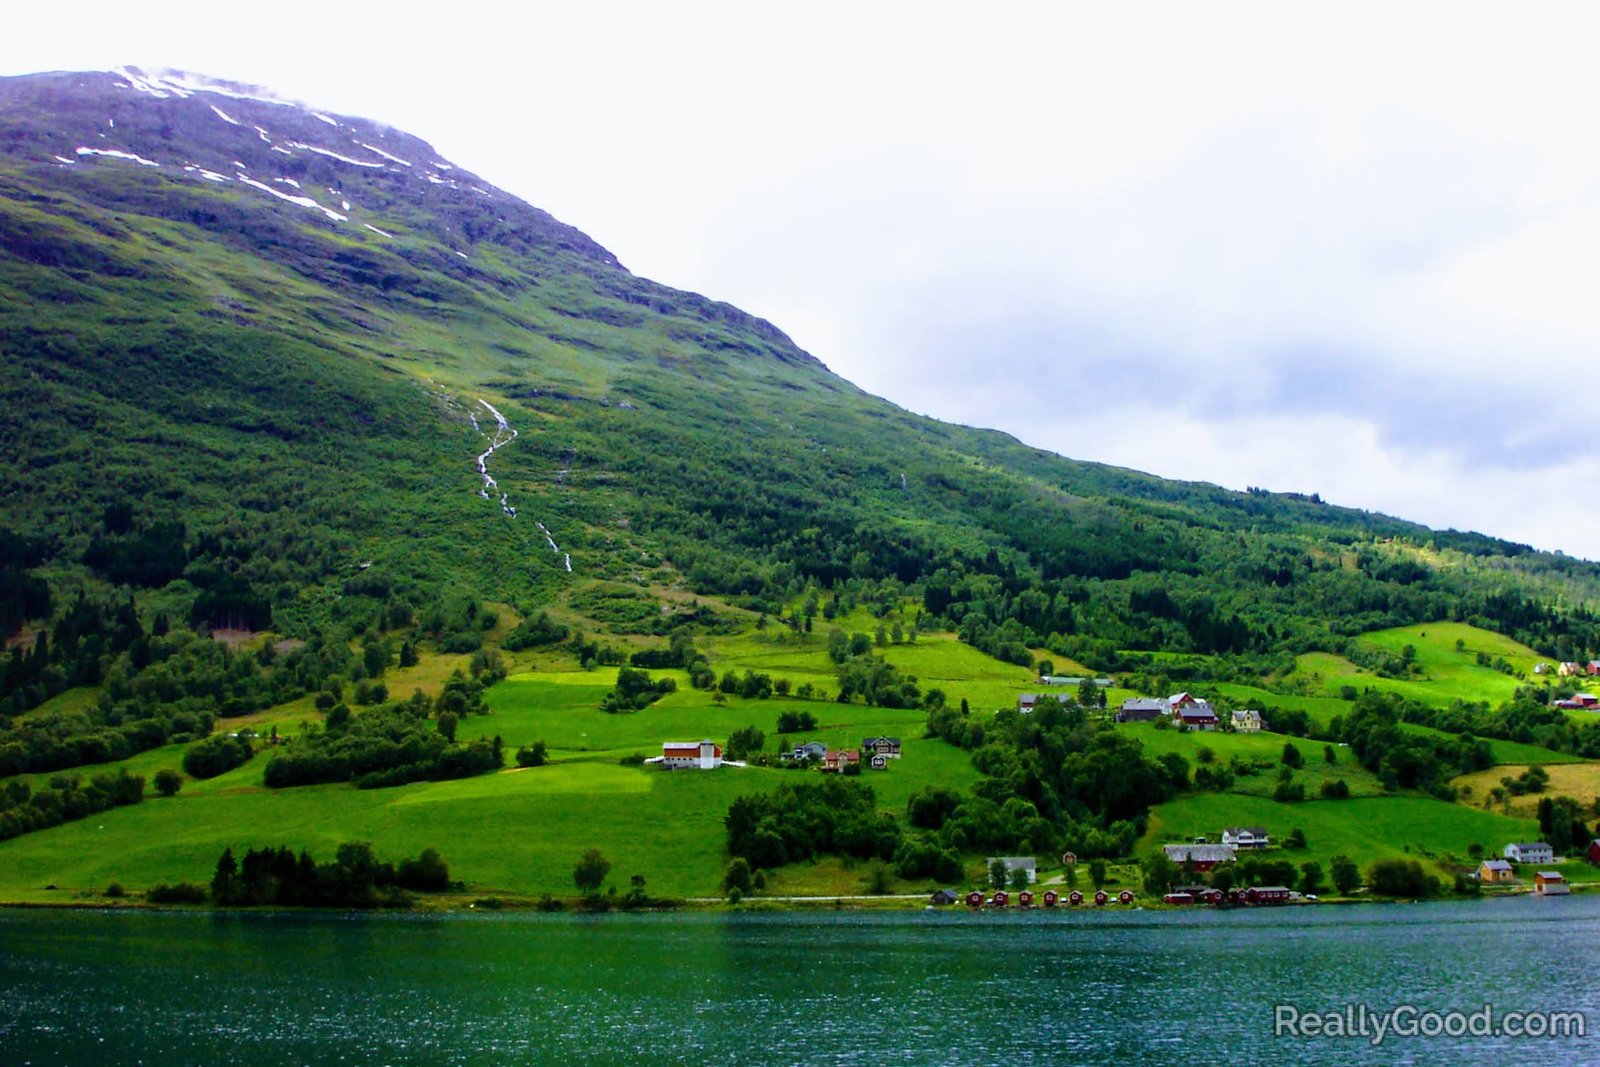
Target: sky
(1345,249)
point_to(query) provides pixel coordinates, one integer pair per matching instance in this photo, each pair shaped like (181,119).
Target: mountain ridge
(292,256)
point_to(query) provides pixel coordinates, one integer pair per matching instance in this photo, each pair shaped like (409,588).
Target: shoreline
(480,904)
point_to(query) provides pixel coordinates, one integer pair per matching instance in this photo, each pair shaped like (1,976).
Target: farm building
(1530,852)
(888,747)
(1266,894)
(809,750)
(1495,871)
(836,760)
(1141,709)
(1203,857)
(1550,884)
(1245,836)
(1247,721)
(696,755)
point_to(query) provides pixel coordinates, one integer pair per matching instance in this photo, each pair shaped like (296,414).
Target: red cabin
(1125,897)
(1025,898)
(1178,898)
(1001,899)
(1074,898)
(1100,898)
(1050,898)
(1267,894)
(974,900)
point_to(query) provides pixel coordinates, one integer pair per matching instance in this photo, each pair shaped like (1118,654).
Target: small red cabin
(1178,898)
(1125,897)
(974,899)
(1050,898)
(1001,899)
(1100,898)
(1074,898)
(1025,898)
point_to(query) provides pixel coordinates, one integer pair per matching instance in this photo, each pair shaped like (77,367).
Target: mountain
(299,416)
(279,340)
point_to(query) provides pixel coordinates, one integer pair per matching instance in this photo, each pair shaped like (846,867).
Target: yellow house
(1495,871)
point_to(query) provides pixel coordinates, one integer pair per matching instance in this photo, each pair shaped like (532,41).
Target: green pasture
(1363,828)
(1443,673)
(1263,750)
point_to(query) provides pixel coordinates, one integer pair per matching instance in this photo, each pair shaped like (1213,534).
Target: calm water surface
(914,987)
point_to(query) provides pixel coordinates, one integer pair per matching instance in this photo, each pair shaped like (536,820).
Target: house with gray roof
(1203,857)
(1530,852)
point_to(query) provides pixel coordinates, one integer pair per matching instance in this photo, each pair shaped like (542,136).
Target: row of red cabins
(1049,898)
(1261,894)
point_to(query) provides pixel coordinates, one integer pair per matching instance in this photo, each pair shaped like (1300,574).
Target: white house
(1245,837)
(1530,852)
(696,755)
(1247,721)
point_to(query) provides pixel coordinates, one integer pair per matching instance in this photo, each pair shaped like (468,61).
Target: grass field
(519,832)
(1444,672)
(1581,781)
(1365,828)
(1265,750)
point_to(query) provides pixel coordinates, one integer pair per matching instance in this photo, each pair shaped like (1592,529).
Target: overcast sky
(1349,250)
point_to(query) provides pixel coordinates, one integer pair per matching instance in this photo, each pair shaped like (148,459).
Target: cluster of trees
(67,798)
(1562,823)
(218,755)
(589,875)
(797,821)
(391,745)
(635,690)
(794,722)
(1403,759)
(1057,778)
(745,742)
(355,879)
(535,631)
(23,596)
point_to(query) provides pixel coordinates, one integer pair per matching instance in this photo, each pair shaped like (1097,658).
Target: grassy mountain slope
(249,359)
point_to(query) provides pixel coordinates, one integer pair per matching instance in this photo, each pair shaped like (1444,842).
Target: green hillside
(301,421)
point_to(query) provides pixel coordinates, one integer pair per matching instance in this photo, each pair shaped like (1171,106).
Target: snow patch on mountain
(334,155)
(378,151)
(114,154)
(374,229)
(208,175)
(302,201)
(176,83)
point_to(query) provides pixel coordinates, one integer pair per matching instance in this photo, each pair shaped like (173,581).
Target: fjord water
(839,987)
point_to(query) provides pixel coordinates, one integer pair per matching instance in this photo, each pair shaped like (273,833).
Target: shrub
(1400,878)
(217,755)
(182,893)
